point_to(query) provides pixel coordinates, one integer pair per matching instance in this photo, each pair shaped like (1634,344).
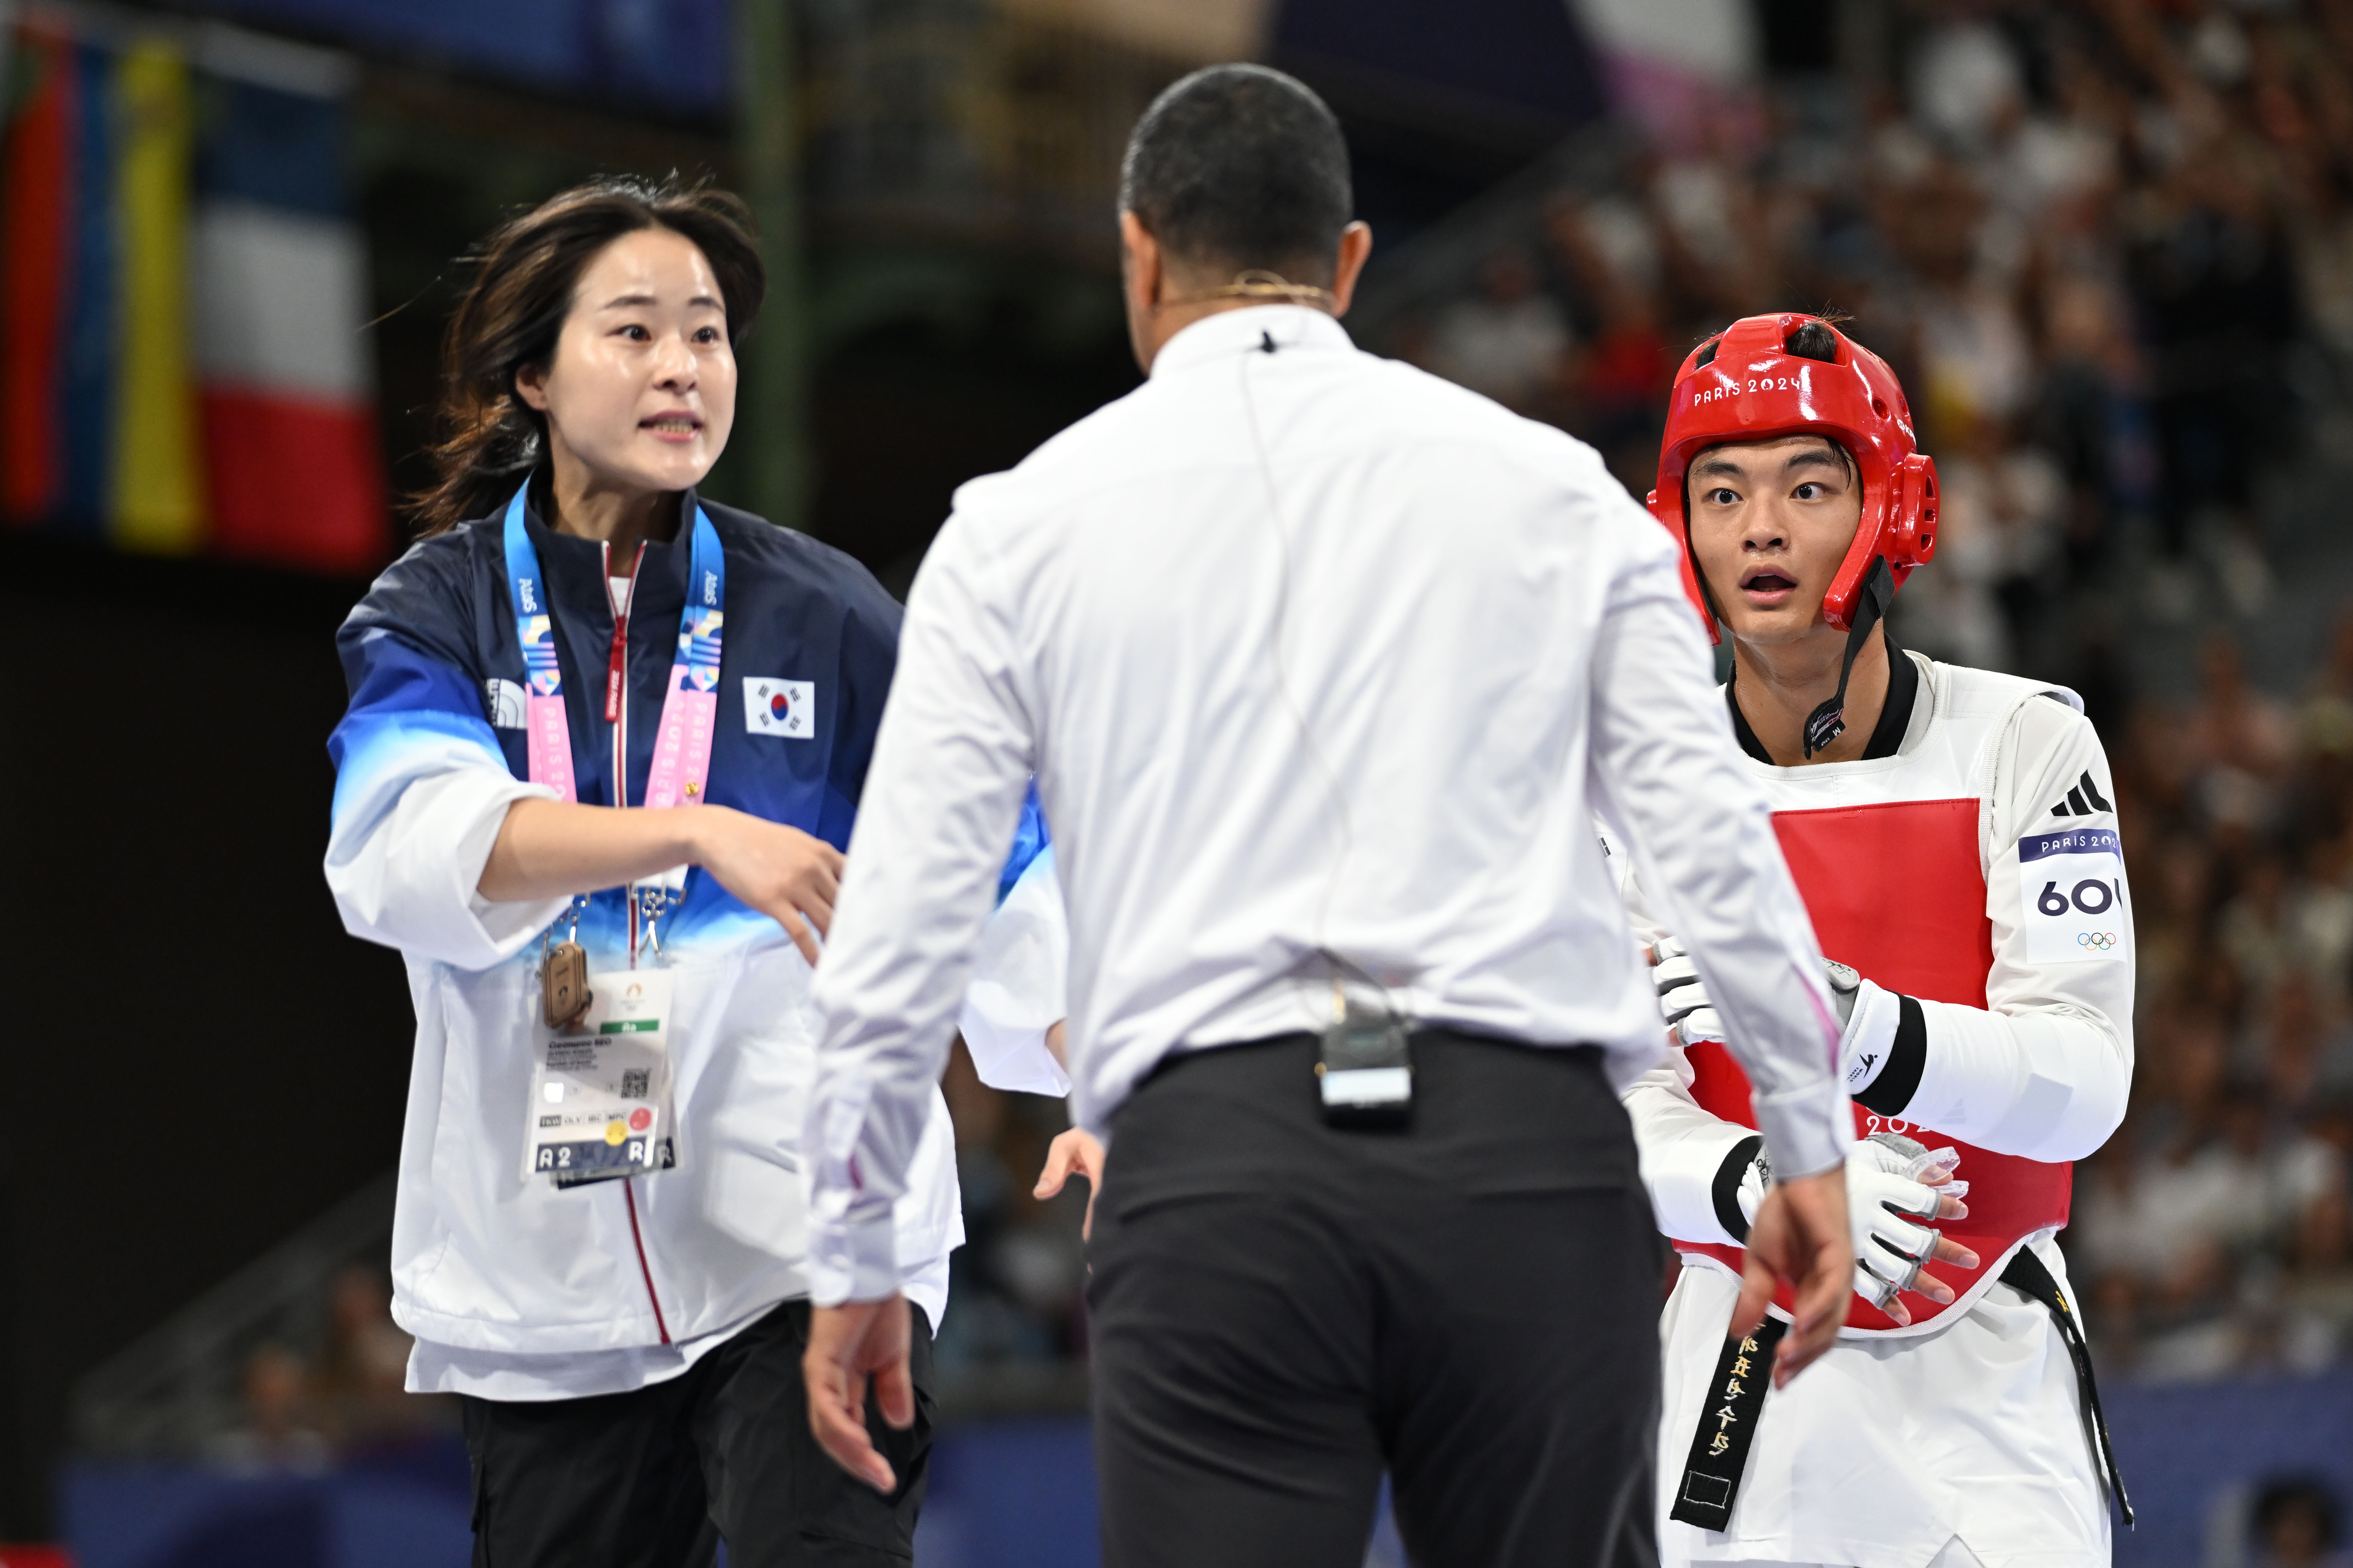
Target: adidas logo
(2083,800)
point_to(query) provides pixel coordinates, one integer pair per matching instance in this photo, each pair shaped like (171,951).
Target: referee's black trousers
(1281,1310)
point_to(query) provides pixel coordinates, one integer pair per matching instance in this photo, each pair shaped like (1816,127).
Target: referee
(1324,669)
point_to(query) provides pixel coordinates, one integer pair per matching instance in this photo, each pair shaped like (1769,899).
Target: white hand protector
(1683,998)
(1867,1015)
(1885,1204)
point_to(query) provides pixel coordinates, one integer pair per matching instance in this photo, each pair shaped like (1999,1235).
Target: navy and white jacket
(515,1289)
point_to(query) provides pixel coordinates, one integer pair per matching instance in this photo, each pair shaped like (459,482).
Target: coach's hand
(784,873)
(847,1345)
(1077,1153)
(1799,1234)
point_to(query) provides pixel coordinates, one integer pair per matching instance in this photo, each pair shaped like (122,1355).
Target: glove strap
(1725,1190)
(1727,1425)
(1890,1089)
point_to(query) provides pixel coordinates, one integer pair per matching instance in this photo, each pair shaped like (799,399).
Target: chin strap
(1828,722)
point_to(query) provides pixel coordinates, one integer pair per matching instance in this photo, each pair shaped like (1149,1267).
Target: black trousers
(1281,1310)
(655,1477)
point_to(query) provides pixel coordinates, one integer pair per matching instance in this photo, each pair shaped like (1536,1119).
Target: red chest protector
(1895,890)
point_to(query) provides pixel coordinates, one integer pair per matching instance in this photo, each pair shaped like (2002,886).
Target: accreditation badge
(600,1087)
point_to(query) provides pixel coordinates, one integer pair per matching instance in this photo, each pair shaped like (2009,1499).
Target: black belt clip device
(1365,1073)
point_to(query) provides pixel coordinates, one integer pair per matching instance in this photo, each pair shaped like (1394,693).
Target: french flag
(183,297)
(285,380)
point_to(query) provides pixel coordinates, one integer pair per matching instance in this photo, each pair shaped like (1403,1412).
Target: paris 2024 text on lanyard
(600,1091)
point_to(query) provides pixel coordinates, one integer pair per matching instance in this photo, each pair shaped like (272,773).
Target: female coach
(605,740)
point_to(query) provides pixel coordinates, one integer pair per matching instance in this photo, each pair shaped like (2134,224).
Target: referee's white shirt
(1309,652)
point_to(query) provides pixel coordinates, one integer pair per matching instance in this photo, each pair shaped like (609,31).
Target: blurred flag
(182,300)
(35,257)
(1684,70)
(158,488)
(35,1557)
(281,309)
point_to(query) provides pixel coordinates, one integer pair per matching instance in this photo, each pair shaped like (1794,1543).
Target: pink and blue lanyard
(681,764)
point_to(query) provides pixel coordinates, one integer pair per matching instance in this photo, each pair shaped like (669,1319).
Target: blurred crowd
(2291,1522)
(2213,1233)
(1014,1286)
(2106,244)
(301,1409)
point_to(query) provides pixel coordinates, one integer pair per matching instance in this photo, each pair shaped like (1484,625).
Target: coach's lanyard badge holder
(600,1083)
(600,1103)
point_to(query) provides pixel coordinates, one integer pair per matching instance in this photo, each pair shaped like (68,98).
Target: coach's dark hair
(525,274)
(1237,167)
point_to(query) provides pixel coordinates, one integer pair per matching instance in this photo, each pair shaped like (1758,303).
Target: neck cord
(1257,283)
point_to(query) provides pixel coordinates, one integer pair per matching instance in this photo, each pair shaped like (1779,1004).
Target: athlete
(1952,834)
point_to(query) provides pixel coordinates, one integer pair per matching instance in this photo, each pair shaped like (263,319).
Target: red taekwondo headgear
(1753,383)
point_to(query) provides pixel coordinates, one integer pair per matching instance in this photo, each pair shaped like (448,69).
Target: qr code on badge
(633,1082)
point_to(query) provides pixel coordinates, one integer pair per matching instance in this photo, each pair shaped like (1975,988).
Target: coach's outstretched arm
(1665,774)
(951,762)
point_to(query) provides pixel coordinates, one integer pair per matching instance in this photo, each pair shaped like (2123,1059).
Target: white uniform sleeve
(1666,777)
(419,800)
(2046,1072)
(1686,1152)
(1018,989)
(951,762)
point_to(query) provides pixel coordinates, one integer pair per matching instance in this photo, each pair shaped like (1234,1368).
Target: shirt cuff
(853,1235)
(854,1260)
(1807,1131)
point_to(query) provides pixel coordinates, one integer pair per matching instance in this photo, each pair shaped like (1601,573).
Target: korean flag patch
(2071,888)
(785,708)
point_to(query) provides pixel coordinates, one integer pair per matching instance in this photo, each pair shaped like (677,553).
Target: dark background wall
(200,1060)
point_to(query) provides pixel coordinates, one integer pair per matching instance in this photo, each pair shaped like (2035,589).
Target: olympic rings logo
(2097,941)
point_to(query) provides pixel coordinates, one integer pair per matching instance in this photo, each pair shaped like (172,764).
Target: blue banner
(667,55)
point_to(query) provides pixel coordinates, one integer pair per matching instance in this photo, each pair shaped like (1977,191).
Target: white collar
(1264,327)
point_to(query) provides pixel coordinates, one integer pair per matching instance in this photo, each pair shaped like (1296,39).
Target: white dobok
(1960,1438)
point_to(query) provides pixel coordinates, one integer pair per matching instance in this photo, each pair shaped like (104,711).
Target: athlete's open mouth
(1765,580)
(671,423)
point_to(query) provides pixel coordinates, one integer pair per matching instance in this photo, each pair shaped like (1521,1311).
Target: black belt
(2026,1273)
(1727,1425)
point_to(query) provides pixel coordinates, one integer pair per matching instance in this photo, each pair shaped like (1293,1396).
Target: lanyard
(689,714)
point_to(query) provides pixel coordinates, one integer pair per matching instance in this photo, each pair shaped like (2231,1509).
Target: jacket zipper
(616,713)
(629,1191)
